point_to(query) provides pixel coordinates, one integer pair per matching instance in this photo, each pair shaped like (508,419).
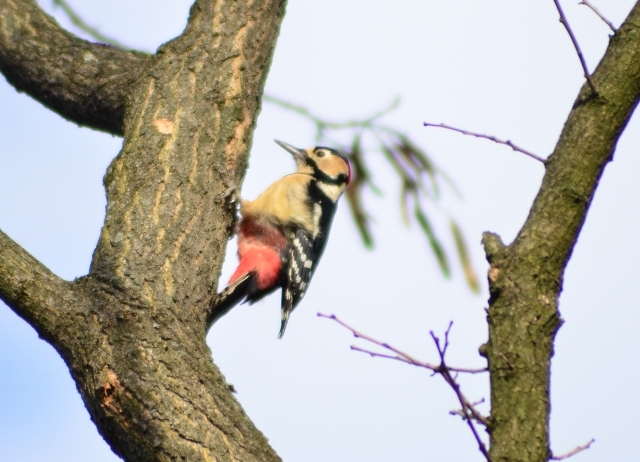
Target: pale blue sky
(502,67)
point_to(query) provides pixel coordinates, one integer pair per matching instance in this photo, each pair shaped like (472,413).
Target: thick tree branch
(84,82)
(32,291)
(526,277)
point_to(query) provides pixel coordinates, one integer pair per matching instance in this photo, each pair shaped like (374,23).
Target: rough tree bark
(525,278)
(132,331)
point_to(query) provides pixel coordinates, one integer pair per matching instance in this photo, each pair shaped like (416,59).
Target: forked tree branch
(86,83)
(469,412)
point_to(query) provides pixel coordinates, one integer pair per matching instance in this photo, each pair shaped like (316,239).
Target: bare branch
(400,355)
(461,413)
(490,138)
(565,23)
(467,407)
(600,15)
(577,450)
(468,412)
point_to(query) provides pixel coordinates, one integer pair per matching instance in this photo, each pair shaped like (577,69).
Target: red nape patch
(264,261)
(348,171)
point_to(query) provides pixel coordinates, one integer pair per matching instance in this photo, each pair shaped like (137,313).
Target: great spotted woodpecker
(282,234)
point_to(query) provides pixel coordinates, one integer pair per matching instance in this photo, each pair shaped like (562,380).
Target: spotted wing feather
(301,261)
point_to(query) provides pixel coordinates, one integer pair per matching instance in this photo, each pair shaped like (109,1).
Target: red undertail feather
(259,250)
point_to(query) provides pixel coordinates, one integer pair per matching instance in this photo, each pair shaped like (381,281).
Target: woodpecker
(282,234)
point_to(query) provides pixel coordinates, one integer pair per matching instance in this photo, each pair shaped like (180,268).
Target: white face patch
(332,191)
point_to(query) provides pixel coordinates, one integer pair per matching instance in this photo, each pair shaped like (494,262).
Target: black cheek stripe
(323,177)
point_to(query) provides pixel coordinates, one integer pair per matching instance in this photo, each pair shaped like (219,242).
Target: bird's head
(325,164)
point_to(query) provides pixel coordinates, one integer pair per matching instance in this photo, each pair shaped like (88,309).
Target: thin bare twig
(490,138)
(461,413)
(77,21)
(600,15)
(401,355)
(565,23)
(466,405)
(577,450)
(468,412)
(431,367)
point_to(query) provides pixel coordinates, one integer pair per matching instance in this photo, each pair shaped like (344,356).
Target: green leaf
(463,254)
(421,162)
(390,154)
(359,216)
(404,195)
(360,171)
(437,248)
(354,194)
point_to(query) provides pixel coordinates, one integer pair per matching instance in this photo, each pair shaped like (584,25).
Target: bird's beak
(298,154)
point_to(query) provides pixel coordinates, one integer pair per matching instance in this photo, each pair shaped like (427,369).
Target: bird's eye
(320,153)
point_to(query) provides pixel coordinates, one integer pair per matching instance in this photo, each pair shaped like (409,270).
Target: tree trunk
(525,278)
(132,331)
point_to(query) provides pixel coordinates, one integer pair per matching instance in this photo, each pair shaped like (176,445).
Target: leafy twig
(322,125)
(565,23)
(490,138)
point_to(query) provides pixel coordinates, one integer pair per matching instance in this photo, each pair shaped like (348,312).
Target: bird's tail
(283,323)
(229,297)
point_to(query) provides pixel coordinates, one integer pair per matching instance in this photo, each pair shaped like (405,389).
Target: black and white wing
(230,297)
(301,261)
